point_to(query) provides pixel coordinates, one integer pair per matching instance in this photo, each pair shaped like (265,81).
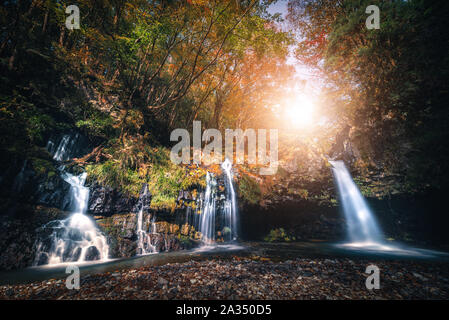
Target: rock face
(121,231)
(165,229)
(344,149)
(36,182)
(144,201)
(17,245)
(68,145)
(301,219)
(106,201)
(92,254)
(18,234)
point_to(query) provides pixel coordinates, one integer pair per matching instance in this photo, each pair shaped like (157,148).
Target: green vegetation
(249,189)
(136,70)
(389,85)
(132,73)
(279,235)
(164,179)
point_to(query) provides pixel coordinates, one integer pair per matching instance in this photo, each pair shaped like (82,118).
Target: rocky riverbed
(251,278)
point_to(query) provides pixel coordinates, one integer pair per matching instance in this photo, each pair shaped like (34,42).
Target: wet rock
(92,253)
(18,237)
(144,201)
(42,259)
(106,201)
(37,182)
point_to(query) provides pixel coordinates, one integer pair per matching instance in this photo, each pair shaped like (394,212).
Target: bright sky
(302,72)
(301,110)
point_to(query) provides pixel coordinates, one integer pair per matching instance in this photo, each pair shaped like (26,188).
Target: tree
(391,82)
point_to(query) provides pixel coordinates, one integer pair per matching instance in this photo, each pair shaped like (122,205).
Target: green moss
(279,235)
(249,190)
(42,166)
(164,178)
(110,173)
(97,123)
(186,242)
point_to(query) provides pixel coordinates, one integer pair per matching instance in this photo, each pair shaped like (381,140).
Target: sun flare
(300,111)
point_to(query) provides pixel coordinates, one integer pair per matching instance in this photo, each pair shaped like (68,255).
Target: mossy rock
(279,235)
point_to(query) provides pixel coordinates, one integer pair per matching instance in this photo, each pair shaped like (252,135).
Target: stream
(246,250)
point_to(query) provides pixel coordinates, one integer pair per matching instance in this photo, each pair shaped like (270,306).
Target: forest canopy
(135,70)
(390,85)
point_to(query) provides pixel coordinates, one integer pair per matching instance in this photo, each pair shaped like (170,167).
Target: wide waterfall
(215,216)
(362,226)
(77,238)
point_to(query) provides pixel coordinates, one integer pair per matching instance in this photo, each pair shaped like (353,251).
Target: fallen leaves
(243,278)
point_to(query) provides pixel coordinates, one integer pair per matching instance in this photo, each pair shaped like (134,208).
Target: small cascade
(77,238)
(153,229)
(362,226)
(65,149)
(144,245)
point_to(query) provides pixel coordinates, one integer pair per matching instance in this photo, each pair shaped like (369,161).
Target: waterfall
(207,222)
(77,238)
(65,149)
(230,204)
(218,215)
(363,230)
(362,226)
(144,245)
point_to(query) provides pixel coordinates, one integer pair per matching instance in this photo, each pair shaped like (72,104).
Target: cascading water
(363,230)
(362,226)
(75,239)
(207,222)
(230,204)
(65,148)
(218,214)
(144,245)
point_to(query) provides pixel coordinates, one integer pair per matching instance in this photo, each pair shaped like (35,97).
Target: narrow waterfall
(231,204)
(77,238)
(362,226)
(66,148)
(207,222)
(144,245)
